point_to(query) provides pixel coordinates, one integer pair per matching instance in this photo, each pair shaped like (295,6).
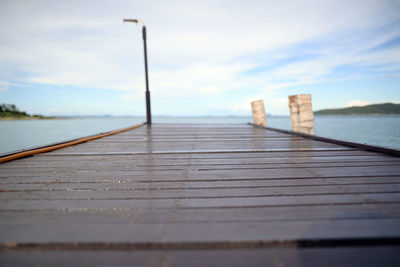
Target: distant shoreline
(32,118)
(375,109)
(21,118)
(10,112)
(358,114)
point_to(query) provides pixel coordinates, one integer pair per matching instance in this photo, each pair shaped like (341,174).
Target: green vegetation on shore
(375,109)
(11,112)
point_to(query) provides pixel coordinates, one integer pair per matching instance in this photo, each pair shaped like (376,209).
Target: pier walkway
(201,195)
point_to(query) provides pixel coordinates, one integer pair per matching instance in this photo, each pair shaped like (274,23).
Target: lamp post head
(134,21)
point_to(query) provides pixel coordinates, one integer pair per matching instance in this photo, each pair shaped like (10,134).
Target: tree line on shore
(11,111)
(374,109)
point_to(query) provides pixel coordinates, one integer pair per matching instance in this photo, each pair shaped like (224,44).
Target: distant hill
(375,109)
(11,112)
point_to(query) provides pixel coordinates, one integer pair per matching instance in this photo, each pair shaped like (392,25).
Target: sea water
(24,134)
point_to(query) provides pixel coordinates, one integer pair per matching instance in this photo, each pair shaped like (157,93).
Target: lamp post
(148,109)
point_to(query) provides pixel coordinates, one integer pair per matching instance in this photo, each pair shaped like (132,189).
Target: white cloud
(196,48)
(357,103)
(269,103)
(4,86)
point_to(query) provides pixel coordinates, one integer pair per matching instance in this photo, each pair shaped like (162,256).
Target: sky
(206,58)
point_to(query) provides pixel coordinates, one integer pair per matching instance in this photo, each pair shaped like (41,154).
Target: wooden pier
(201,195)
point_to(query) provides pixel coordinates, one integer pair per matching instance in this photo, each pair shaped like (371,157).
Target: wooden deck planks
(291,256)
(199,185)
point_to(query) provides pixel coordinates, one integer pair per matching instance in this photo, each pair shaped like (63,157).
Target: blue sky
(205,57)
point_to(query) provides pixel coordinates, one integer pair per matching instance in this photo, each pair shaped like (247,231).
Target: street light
(148,109)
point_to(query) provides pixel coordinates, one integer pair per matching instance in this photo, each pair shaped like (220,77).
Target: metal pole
(148,108)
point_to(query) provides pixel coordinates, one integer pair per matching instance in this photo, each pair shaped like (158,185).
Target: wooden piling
(259,112)
(301,114)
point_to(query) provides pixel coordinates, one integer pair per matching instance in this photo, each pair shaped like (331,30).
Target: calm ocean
(23,134)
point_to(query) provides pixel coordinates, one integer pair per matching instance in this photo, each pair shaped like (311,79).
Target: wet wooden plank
(182,193)
(201,215)
(116,184)
(201,174)
(197,202)
(210,159)
(226,154)
(110,159)
(195,146)
(286,256)
(201,232)
(145,164)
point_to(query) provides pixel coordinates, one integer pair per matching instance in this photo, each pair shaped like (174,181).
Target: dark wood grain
(211,185)
(291,256)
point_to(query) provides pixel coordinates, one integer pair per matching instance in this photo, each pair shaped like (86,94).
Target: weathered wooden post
(301,114)
(259,113)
